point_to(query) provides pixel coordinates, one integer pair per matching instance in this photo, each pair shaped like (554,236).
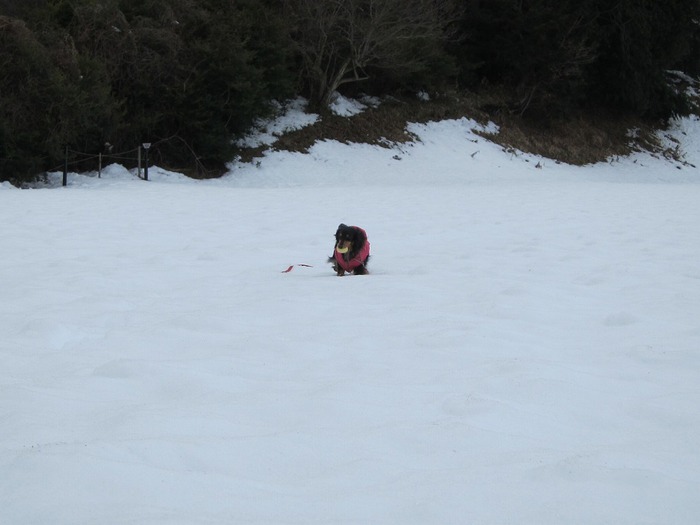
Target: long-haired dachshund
(351,251)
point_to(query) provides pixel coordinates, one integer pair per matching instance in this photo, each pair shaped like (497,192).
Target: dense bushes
(189,75)
(185,75)
(562,55)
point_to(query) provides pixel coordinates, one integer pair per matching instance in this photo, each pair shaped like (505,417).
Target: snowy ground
(525,351)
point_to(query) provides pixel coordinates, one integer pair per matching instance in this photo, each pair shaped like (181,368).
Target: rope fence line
(122,155)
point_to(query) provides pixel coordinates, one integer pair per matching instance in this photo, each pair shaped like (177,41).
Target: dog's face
(345,238)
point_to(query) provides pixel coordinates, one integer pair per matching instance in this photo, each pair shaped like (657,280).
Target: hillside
(580,140)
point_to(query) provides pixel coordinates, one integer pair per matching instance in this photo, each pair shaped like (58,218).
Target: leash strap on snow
(291,267)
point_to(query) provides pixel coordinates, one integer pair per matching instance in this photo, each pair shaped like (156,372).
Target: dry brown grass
(584,140)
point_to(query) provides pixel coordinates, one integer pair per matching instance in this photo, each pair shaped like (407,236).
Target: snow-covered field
(525,351)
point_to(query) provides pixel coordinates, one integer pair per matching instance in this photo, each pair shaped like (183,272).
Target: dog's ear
(358,238)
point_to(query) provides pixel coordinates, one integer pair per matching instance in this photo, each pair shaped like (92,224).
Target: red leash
(291,267)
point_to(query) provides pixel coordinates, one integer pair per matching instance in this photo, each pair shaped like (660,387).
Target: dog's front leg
(336,267)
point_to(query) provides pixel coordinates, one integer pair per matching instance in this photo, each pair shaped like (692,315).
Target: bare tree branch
(339,40)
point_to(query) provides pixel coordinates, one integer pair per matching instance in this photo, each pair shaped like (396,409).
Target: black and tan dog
(351,251)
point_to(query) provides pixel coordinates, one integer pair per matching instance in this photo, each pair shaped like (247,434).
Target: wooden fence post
(65,168)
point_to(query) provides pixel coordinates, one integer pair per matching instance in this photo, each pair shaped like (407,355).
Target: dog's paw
(361,270)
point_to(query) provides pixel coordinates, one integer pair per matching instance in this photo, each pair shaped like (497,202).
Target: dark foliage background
(191,75)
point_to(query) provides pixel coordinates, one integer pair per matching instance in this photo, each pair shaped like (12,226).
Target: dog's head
(345,238)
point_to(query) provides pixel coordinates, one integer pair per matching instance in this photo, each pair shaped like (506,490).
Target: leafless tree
(338,40)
